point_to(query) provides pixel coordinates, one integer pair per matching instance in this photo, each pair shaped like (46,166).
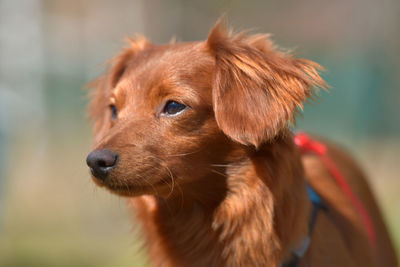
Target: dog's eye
(114,112)
(173,108)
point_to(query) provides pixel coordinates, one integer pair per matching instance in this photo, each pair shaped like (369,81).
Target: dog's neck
(260,204)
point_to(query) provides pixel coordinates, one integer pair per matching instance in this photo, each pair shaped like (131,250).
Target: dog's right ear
(256,88)
(102,86)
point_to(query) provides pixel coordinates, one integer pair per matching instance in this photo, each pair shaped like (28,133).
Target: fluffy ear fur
(256,88)
(102,87)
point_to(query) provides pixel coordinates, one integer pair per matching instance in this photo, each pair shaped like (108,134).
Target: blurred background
(51,214)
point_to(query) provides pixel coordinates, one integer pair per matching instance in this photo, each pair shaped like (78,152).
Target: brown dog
(196,135)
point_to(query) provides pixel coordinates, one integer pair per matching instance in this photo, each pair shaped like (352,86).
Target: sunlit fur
(222,183)
(250,73)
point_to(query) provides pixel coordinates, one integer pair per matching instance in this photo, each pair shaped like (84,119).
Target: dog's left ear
(256,88)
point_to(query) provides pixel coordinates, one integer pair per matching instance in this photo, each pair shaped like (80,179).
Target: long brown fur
(222,183)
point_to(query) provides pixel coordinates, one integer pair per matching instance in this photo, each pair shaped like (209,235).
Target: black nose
(101,162)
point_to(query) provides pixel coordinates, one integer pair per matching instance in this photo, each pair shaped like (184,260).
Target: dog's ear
(256,89)
(102,87)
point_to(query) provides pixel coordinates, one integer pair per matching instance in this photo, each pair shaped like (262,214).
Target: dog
(198,137)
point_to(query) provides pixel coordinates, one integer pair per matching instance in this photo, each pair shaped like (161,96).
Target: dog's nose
(101,162)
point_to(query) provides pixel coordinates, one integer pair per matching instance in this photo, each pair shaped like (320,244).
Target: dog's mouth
(130,190)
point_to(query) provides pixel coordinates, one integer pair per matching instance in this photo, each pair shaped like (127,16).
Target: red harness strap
(308,145)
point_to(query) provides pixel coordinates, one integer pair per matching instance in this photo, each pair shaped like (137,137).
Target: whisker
(182,196)
(152,186)
(172,181)
(220,165)
(165,165)
(184,154)
(220,173)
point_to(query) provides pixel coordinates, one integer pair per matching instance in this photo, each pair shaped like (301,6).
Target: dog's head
(165,113)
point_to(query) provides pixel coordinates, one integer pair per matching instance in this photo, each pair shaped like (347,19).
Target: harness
(307,145)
